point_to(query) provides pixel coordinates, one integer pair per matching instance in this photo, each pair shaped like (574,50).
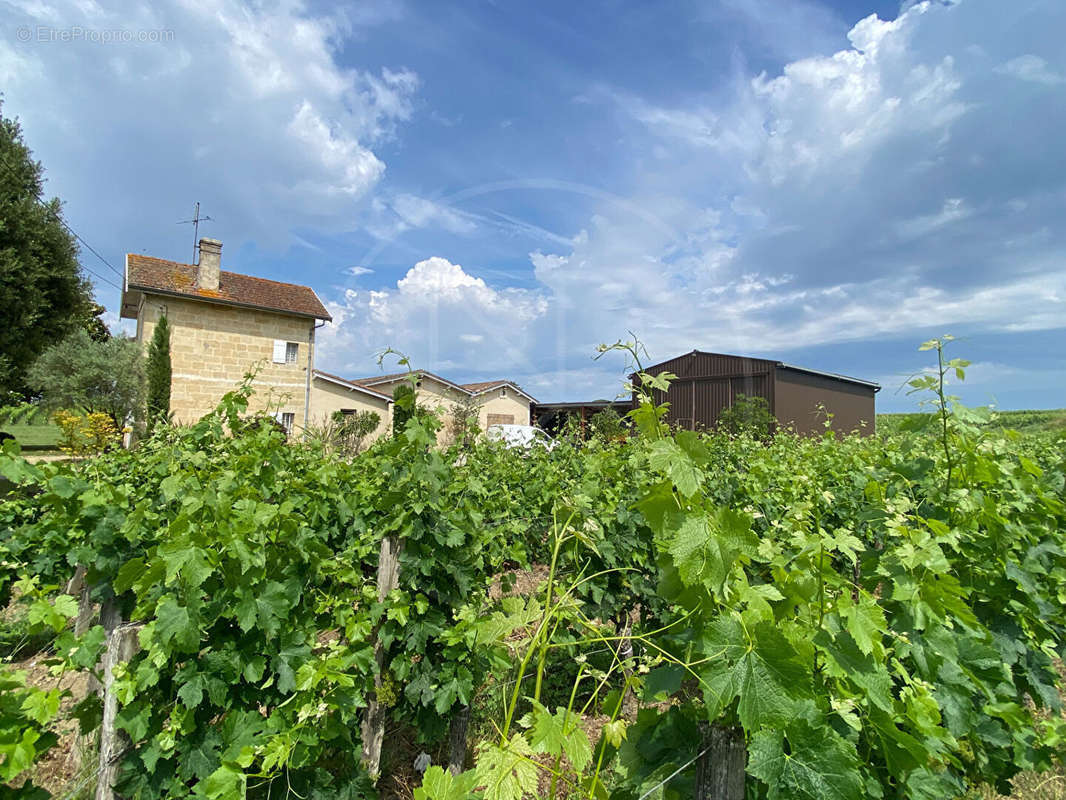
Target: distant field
(35,437)
(1025,421)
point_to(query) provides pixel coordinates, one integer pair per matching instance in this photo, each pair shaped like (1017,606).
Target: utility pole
(195,221)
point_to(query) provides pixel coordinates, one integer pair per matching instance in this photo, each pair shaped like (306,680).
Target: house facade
(331,394)
(223,325)
(497,402)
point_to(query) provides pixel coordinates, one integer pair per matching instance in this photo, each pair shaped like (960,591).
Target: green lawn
(35,437)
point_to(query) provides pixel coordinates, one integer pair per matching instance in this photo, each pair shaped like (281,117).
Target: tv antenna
(195,222)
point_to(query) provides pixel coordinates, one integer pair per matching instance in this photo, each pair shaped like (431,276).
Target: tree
(158,370)
(607,425)
(749,415)
(43,295)
(89,376)
(93,322)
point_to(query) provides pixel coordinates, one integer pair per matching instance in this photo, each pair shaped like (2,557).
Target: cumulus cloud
(441,316)
(244,107)
(902,184)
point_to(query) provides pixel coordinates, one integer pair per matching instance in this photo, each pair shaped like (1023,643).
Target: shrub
(750,415)
(86,434)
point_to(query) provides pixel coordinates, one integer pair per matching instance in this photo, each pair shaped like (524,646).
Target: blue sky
(496,187)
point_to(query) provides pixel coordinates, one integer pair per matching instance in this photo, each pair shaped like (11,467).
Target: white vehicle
(520,436)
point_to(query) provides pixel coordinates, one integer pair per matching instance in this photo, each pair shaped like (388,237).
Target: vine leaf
(762,669)
(817,764)
(439,784)
(507,773)
(665,455)
(560,733)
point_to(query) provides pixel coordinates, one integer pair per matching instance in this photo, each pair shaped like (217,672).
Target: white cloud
(434,314)
(242,106)
(865,195)
(869,194)
(355,272)
(1031,68)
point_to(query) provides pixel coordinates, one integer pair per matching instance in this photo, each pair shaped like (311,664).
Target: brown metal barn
(708,383)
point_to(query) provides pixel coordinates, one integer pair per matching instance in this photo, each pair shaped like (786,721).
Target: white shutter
(279,351)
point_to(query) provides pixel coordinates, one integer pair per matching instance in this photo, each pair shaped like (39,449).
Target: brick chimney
(210,264)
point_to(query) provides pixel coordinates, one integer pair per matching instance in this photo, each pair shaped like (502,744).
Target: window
(286,352)
(503,391)
(348,412)
(286,419)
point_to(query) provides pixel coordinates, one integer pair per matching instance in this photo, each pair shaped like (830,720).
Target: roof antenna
(196,220)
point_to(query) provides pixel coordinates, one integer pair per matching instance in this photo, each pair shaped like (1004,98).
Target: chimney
(210,264)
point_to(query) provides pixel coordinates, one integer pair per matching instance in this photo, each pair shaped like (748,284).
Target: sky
(495,188)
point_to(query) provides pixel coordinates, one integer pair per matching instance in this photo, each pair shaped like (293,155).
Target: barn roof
(774,362)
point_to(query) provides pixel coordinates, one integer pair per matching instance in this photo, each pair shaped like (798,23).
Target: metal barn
(708,383)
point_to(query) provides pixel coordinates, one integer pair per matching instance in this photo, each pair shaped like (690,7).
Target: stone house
(332,393)
(497,402)
(224,324)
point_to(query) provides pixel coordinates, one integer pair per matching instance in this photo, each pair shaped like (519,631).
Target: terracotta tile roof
(376,379)
(149,274)
(484,386)
(479,387)
(469,388)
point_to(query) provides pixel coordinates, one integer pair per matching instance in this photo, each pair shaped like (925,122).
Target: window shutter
(279,351)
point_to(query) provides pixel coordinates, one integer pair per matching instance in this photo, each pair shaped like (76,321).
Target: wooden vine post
(374,721)
(121,645)
(720,768)
(457,740)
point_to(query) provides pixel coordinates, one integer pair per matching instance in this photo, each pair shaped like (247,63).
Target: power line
(74,233)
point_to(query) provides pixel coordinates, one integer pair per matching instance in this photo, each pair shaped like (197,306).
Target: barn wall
(798,394)
(708,383)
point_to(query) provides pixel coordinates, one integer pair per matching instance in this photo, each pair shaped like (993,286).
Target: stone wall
(212,346)
(327,397)
(505,402)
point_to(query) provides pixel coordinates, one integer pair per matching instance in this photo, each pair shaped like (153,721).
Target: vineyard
(672,615)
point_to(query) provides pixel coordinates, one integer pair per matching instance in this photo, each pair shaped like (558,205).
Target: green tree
(158,370)
(79,373)
(749,415)
(93,322)
(607,425)
(43,295)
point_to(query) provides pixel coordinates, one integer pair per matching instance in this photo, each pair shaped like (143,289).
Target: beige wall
(431,394)
(213,345)
(443,398)
(511,403)
(328,397)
